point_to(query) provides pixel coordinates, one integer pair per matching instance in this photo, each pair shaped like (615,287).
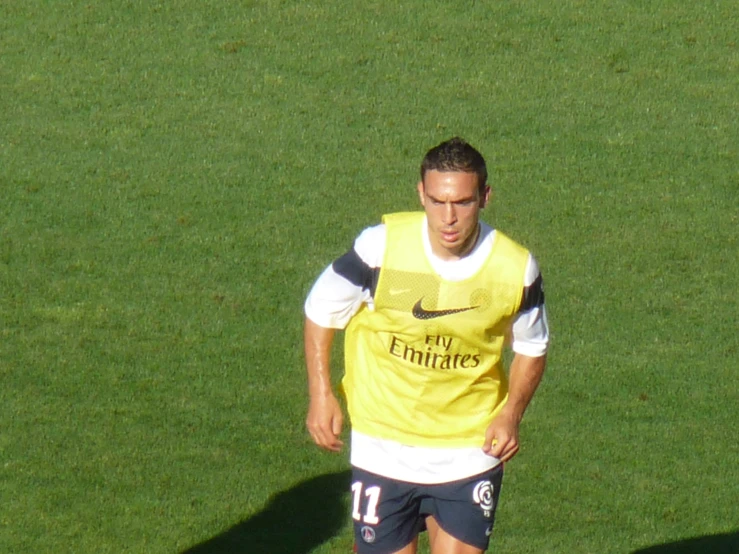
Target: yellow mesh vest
(424,368)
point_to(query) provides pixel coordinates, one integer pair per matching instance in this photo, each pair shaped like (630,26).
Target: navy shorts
(389,514)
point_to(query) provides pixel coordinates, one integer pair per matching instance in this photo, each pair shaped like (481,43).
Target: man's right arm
(337,295)
(325,419)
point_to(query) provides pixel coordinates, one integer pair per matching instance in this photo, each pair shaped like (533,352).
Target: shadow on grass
(294,521)
(727,543)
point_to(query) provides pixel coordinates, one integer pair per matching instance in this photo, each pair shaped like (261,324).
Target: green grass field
(174,176)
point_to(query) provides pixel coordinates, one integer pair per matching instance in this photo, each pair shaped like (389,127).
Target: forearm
(324,420)
(501,436)
(525,375)
(318,341)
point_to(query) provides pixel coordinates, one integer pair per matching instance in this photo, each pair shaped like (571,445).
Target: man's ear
(485,198)
(421,193)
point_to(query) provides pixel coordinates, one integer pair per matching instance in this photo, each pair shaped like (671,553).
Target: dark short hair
(456,154)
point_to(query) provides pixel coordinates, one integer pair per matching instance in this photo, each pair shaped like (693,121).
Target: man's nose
(450,214)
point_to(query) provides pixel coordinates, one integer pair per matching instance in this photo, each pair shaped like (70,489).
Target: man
(428,301)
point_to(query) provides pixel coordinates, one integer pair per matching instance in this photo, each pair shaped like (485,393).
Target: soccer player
(428,301)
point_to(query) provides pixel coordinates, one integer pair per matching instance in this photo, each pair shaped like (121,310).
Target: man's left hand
(501,437)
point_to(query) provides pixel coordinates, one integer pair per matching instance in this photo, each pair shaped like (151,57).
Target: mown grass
(174,176)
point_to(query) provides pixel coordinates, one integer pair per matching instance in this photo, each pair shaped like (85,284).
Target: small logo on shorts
(483,495)
(368,534)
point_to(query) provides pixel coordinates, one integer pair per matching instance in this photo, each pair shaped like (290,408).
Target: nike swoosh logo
(396,292)
(420,313)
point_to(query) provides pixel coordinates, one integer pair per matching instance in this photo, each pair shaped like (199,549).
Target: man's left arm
(530,333)
(501,437)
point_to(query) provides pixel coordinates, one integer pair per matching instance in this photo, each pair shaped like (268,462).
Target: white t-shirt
(347,284)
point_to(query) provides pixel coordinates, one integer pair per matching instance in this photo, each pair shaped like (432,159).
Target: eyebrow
(458,201)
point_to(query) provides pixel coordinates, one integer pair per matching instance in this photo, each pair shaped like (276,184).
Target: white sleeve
(530,328)
(348,282)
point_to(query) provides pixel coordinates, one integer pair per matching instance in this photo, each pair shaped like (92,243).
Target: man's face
(452,202)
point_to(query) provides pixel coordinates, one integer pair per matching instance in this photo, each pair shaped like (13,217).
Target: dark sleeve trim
(355,270)
(533,295)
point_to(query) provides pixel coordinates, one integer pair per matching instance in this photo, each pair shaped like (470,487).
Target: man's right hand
(324,422)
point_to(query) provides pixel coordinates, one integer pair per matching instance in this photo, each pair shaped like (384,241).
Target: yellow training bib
(424,367)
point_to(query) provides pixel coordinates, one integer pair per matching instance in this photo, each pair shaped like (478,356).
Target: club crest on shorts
(483,495)
(368,534)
